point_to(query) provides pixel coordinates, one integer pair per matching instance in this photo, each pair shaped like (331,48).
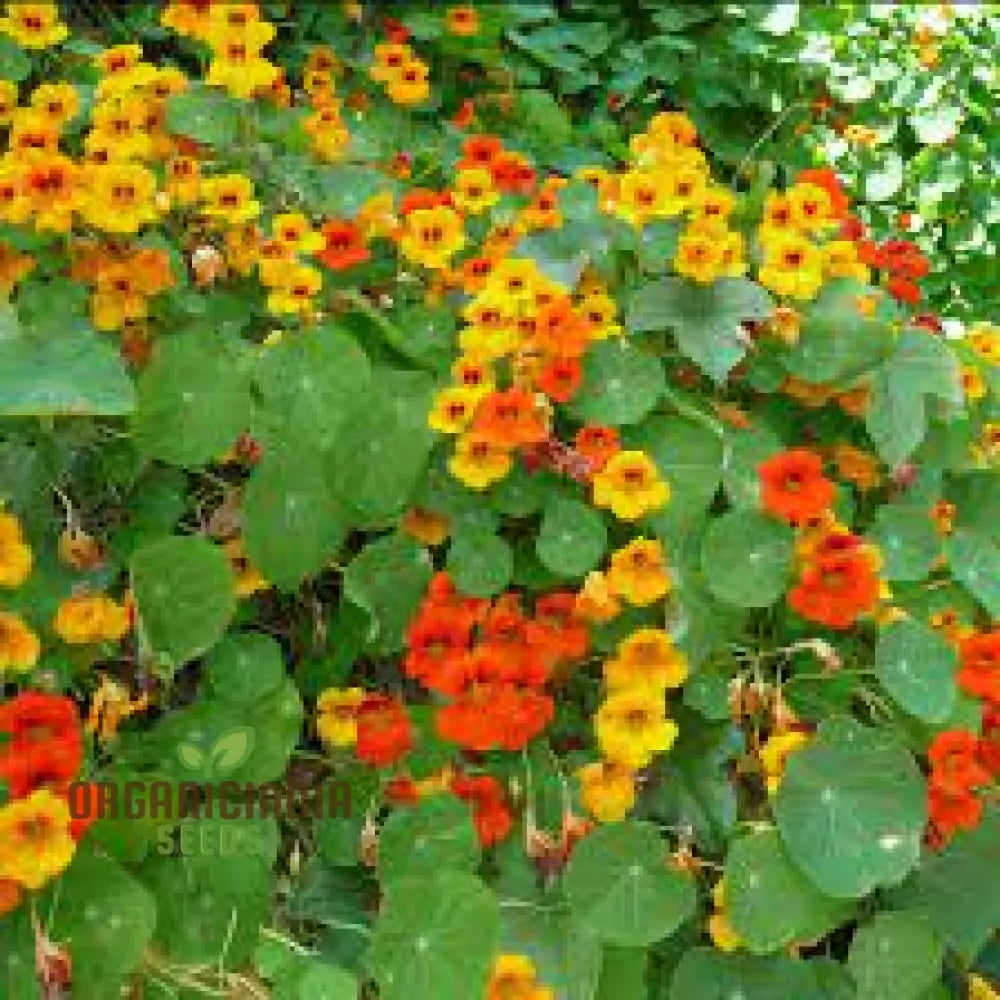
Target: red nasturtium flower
(510,418)
(385,733)
(980,671)
(838,585)
(344,245)
(793,487)
(44,746)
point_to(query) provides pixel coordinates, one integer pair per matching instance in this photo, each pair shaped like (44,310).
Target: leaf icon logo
(190,756)
(231,749)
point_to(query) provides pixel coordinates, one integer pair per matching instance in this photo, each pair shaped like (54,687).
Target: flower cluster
(41,750)
(492,662)
(839,572)
(236,34)
(631,725)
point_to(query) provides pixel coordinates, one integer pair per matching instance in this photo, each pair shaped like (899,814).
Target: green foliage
(851,811)
(621,886)
(185,597)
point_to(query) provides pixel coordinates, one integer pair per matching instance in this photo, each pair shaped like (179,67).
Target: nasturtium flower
(514,977)
(632,729)
(34,25)
(91,618)
(35,840)
(720,927)
(432,236)
(638,573)
(793,487)
(410,85)
(478,462)
(59,102)
(980,666)
(985,342)
(343,245)
(453,409)
(337,718)
(714,203)
(474,374)
(641,196)
(596,602)
(8,101)
(32,135)
(229,198)
(118,59)
(700,255)
(630,486)
(792,266)
(183,180)
(607,790)
(119,197)
(474,192)
(648,659)
(16,557)
(462,21)
(249,579)
(294,288)
(389,60)
(384,733)
(812,207)
(510,418)
(294,230)
(560,378)
(600,312)
(838,586)
(426,526)
(237,23)
(19,646)
(973,383)
(775,752)
(14,266)
(240,71)
(840,260)
(857,466)
(597,444)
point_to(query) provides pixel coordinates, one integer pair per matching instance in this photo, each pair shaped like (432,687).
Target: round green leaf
(14,61)
(620,884)
(689,458)
(292,522)
(107,919)
(707,974)
(851,809)
(896,956)
(480,562)
(204,115)
(435,835)
(194,401)
(572,538)
(975,562)
(310,383)
(745,557)
(321,981)
(388,578)
(917,667)
(435,939)
(185,595)
(747,449)
(908,540)
(243,667)
(770,902)
(621,384)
